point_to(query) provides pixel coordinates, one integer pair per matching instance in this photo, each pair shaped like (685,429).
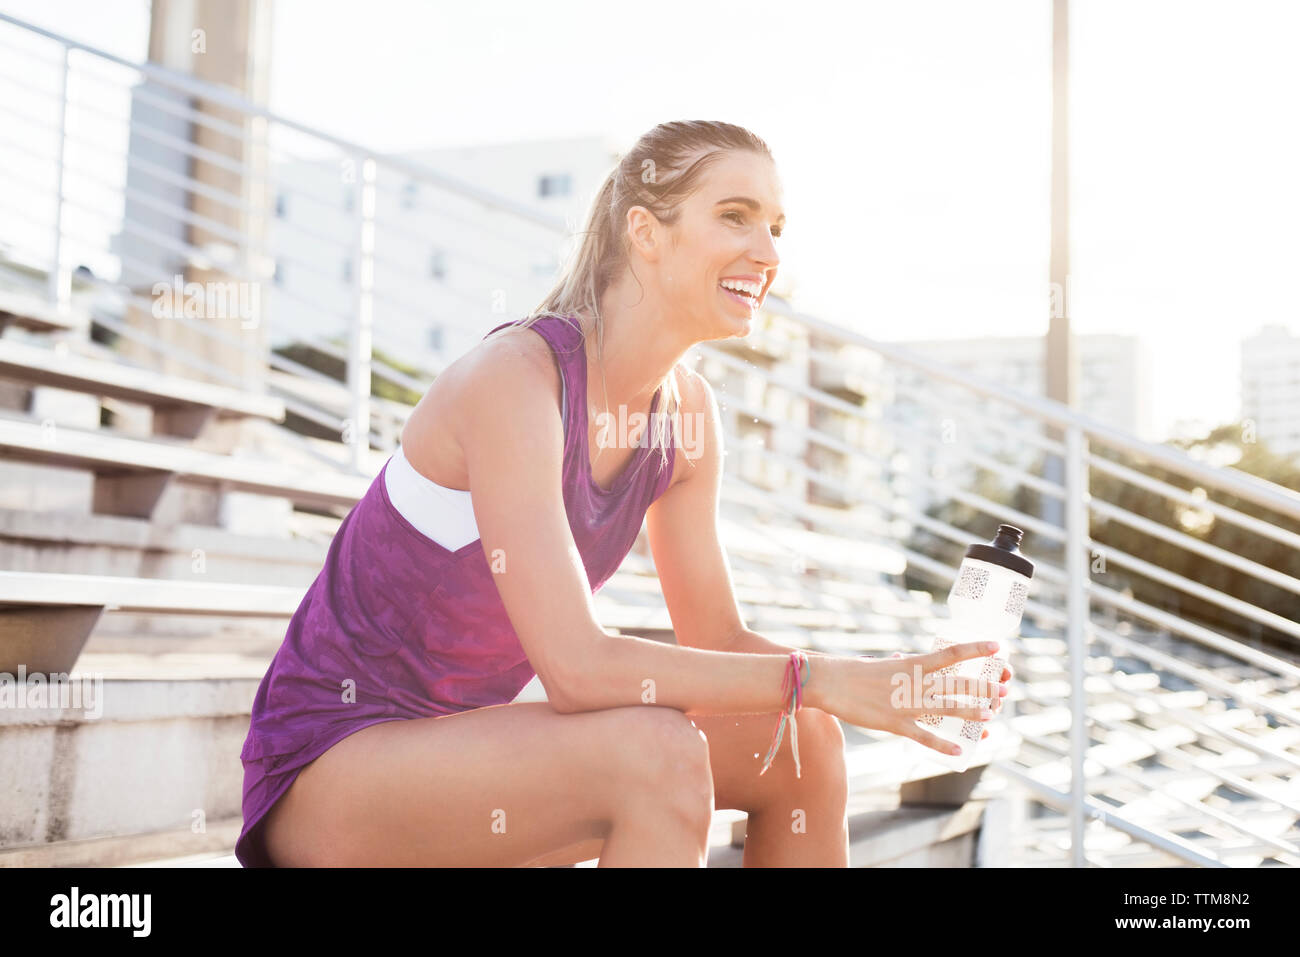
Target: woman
(386,730)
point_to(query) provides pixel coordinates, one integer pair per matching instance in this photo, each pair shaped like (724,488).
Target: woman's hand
(877,693)
(1005,678)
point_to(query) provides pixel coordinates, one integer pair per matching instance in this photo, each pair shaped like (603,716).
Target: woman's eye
(776,233)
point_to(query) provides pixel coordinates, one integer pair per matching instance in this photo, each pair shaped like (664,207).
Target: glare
(923,207)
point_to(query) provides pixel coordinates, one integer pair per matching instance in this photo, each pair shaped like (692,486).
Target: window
(410,193)
(437,265)
(435,338)
(554,184)
(281,206)
(347,270)
(349,198)
(278,276)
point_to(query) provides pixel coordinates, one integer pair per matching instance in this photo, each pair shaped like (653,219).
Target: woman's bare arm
(512,438)
(511,434)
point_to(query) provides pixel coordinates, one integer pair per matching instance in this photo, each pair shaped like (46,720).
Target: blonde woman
(386,731)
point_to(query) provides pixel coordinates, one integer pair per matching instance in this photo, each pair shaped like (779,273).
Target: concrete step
(25,309)
(142,756)
(181,406)
(215,859)
(177,847)
(79,543)
(131,474)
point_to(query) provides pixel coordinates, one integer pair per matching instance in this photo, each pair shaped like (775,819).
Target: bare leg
(501,786)
(666,824)
(794,820)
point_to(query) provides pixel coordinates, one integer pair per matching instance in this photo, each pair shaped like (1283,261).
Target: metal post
(59,289)
(1078,614)
(363,280)
(1060,354)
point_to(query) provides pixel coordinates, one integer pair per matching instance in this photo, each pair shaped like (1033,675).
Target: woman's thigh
(490,787)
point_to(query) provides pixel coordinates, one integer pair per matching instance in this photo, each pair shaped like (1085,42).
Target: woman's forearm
(754,643)
(624,670)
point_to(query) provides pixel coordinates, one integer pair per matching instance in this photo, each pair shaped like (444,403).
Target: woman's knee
(824,730)
(664,758)
(821,748)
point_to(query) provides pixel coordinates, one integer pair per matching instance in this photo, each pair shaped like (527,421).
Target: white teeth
(751,289)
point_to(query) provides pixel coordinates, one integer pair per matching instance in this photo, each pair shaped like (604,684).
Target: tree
(336,368)
(1223,444)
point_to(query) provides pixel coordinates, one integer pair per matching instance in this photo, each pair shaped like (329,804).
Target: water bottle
(986,603)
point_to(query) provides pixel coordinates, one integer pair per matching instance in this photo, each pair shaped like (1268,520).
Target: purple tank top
(396,626)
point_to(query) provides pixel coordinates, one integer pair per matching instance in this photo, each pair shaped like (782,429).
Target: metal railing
(335,184)
(830,433)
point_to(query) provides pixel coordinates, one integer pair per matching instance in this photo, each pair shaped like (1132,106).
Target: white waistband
(443,514)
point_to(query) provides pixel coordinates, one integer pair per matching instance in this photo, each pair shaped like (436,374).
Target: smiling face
(726,237)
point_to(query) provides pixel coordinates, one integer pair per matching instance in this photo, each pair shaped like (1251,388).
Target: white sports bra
(440,513)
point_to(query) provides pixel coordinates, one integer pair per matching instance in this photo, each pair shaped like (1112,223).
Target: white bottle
(986,603)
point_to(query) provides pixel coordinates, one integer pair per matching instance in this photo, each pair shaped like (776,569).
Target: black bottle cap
(1004,550)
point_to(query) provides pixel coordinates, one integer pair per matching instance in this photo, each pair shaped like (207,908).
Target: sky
(912,140)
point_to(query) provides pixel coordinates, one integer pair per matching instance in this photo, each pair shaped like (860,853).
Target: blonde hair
(659,172)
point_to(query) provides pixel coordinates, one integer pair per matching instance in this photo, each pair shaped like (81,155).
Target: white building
(1270,388)
(1114,372)
(1114,387)
(448,267)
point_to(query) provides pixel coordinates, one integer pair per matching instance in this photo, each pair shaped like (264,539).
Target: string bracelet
(791,693)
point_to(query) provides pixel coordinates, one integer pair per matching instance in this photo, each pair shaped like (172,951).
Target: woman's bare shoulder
(692,387)
(504,355)
(510,366)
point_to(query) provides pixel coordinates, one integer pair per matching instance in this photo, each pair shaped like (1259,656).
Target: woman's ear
(643,232)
